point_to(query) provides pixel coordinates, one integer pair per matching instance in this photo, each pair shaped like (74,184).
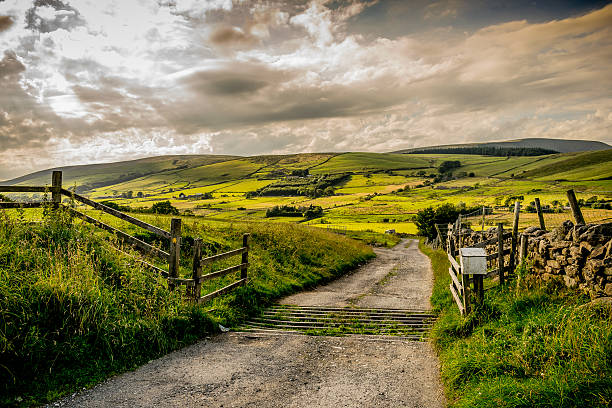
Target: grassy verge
(74,310)
(536,346)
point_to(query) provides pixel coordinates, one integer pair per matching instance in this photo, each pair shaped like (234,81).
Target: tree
(139,194)
(425,222)
(427,218)
(164,207)
(449,165)
(314,211)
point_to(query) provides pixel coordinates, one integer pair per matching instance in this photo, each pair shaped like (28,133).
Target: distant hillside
(91,176)
(577,166)
(557,145)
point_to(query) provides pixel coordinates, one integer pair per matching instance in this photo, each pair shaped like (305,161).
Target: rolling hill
(169,174)
(91,176)
(558,145)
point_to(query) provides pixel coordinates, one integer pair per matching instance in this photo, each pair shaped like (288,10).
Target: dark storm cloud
(5,22)
(66,17)
(231,36)
(249,94)
(10,67)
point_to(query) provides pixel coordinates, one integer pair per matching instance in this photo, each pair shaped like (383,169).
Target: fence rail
(172,257)
(498,263)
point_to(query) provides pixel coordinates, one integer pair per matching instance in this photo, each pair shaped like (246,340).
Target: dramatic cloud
(97,81)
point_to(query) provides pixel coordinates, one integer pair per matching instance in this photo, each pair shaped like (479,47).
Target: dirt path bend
(253,370)
(399,278)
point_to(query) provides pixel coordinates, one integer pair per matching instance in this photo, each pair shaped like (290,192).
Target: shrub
(164,207)
(427,218)
(449,165)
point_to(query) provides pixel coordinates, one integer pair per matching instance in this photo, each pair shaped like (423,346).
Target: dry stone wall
(577,255)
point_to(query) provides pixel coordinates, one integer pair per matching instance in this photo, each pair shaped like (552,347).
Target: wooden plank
(455,280)
(196,273)
(465,282)
(245,256)
(56,192)
(571,197)
(141,245)
(222,272)
(500,252)
(523,250)
(20,205)
(492,273)
(457,299)
(514,241)
(224,255)
(454,263)
(181,281)
(540,214)
(222,291)
(24,189)
(151,228)
(175,249)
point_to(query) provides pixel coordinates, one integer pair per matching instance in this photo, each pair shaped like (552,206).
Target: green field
(381,191)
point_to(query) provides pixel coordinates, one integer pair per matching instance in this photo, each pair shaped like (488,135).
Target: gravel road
(254,370)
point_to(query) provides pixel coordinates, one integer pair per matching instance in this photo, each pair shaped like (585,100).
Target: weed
(526,346)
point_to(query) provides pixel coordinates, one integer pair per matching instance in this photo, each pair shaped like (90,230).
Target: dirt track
(246,370)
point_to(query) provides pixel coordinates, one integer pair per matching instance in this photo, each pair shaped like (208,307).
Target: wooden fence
(511,249)
(172,257)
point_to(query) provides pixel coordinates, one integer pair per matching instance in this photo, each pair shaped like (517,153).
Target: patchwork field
(374,192)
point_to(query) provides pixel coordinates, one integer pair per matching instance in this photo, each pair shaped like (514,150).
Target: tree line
(487,151)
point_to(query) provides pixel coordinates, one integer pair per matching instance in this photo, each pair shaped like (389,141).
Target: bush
(449,165)
(427,218)
(164,207)
(115,206)
(313,211)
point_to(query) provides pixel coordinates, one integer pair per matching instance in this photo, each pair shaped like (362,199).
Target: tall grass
(74,310)
(526,346)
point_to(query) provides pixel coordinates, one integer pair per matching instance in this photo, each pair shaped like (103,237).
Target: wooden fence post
(465,282)
(197,269)
(500,252)
(540,214)
(245,257)
(575,208)
(479,288)
(524,243)
(451,242)
(459,223)
(56,186)
(175,250)
(484,210)
(514,239)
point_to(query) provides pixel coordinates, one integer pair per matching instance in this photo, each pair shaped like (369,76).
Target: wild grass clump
(74,310)
(537,346)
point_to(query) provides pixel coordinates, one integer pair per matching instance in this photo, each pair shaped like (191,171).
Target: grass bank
(74,310)
(536,346)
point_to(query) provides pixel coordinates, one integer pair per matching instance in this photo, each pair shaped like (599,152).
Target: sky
(98,81)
